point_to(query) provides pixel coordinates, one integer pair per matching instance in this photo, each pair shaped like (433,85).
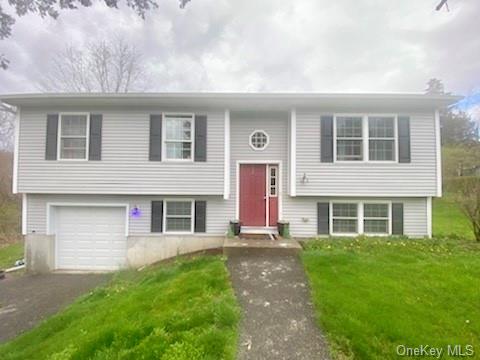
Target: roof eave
(280,100)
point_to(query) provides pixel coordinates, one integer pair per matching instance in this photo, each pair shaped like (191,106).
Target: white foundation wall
(301,212)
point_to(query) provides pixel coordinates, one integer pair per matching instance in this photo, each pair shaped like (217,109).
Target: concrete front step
(239,246)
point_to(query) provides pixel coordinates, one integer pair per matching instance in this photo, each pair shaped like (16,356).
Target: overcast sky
(270,45)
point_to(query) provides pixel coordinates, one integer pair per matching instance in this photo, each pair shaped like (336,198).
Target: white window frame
(360,217)
(389,217)
(395,137)
(365,138)
(59,136)
(335,138)
(264,133)
(192,219)
(164,136)
(357,203)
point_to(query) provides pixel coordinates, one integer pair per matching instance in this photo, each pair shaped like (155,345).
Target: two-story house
(113,180)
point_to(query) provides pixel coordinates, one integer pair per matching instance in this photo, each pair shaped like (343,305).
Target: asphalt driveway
(28,299)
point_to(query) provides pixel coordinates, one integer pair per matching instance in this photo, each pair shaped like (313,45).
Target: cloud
(268,45)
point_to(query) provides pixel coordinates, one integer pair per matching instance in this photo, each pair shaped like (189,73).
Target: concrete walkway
(278,317)
(25,300)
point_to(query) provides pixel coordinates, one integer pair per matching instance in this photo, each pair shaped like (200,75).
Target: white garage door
(90,238)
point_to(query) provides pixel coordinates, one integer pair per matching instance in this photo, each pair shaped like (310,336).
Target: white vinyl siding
(301,212)
(217,211)
(125,167)
(242,125)
(358,178)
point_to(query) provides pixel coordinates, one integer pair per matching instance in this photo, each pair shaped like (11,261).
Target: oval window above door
(259,140)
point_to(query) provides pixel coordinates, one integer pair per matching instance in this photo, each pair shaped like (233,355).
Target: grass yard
(372,295)
(184,310)
(449,220)
(9,254)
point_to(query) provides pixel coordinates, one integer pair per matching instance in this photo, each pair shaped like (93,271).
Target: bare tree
(52,8)
(7,127)
(467,195)
(106,66)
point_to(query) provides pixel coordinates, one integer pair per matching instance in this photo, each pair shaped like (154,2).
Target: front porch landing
(238,245)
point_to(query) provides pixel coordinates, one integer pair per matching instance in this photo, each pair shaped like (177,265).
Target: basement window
(344,218)
(178,217)
(376,218)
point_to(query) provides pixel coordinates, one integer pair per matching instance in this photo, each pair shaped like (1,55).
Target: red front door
(258,197)
(253,207)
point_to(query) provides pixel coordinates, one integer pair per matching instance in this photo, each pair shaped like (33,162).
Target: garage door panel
(90,238)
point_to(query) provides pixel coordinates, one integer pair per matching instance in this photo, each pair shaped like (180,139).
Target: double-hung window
(349,139)
(73,142)
(178,138)
(344,218)
(178,216)
(376,218)
(381,138)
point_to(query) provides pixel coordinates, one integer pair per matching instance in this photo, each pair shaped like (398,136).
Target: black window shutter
(95,146)
(326,139)
(157,216)
(404,139)
(51,137)
(397,219)
(323,218)
(155,153)
(200,138)
(200,216)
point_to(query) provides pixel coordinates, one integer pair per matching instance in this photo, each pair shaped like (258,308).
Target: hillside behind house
(9,204)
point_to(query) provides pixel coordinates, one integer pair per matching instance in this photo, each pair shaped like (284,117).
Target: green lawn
(9,254)
(184,310)
(372,295)
(449,220)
